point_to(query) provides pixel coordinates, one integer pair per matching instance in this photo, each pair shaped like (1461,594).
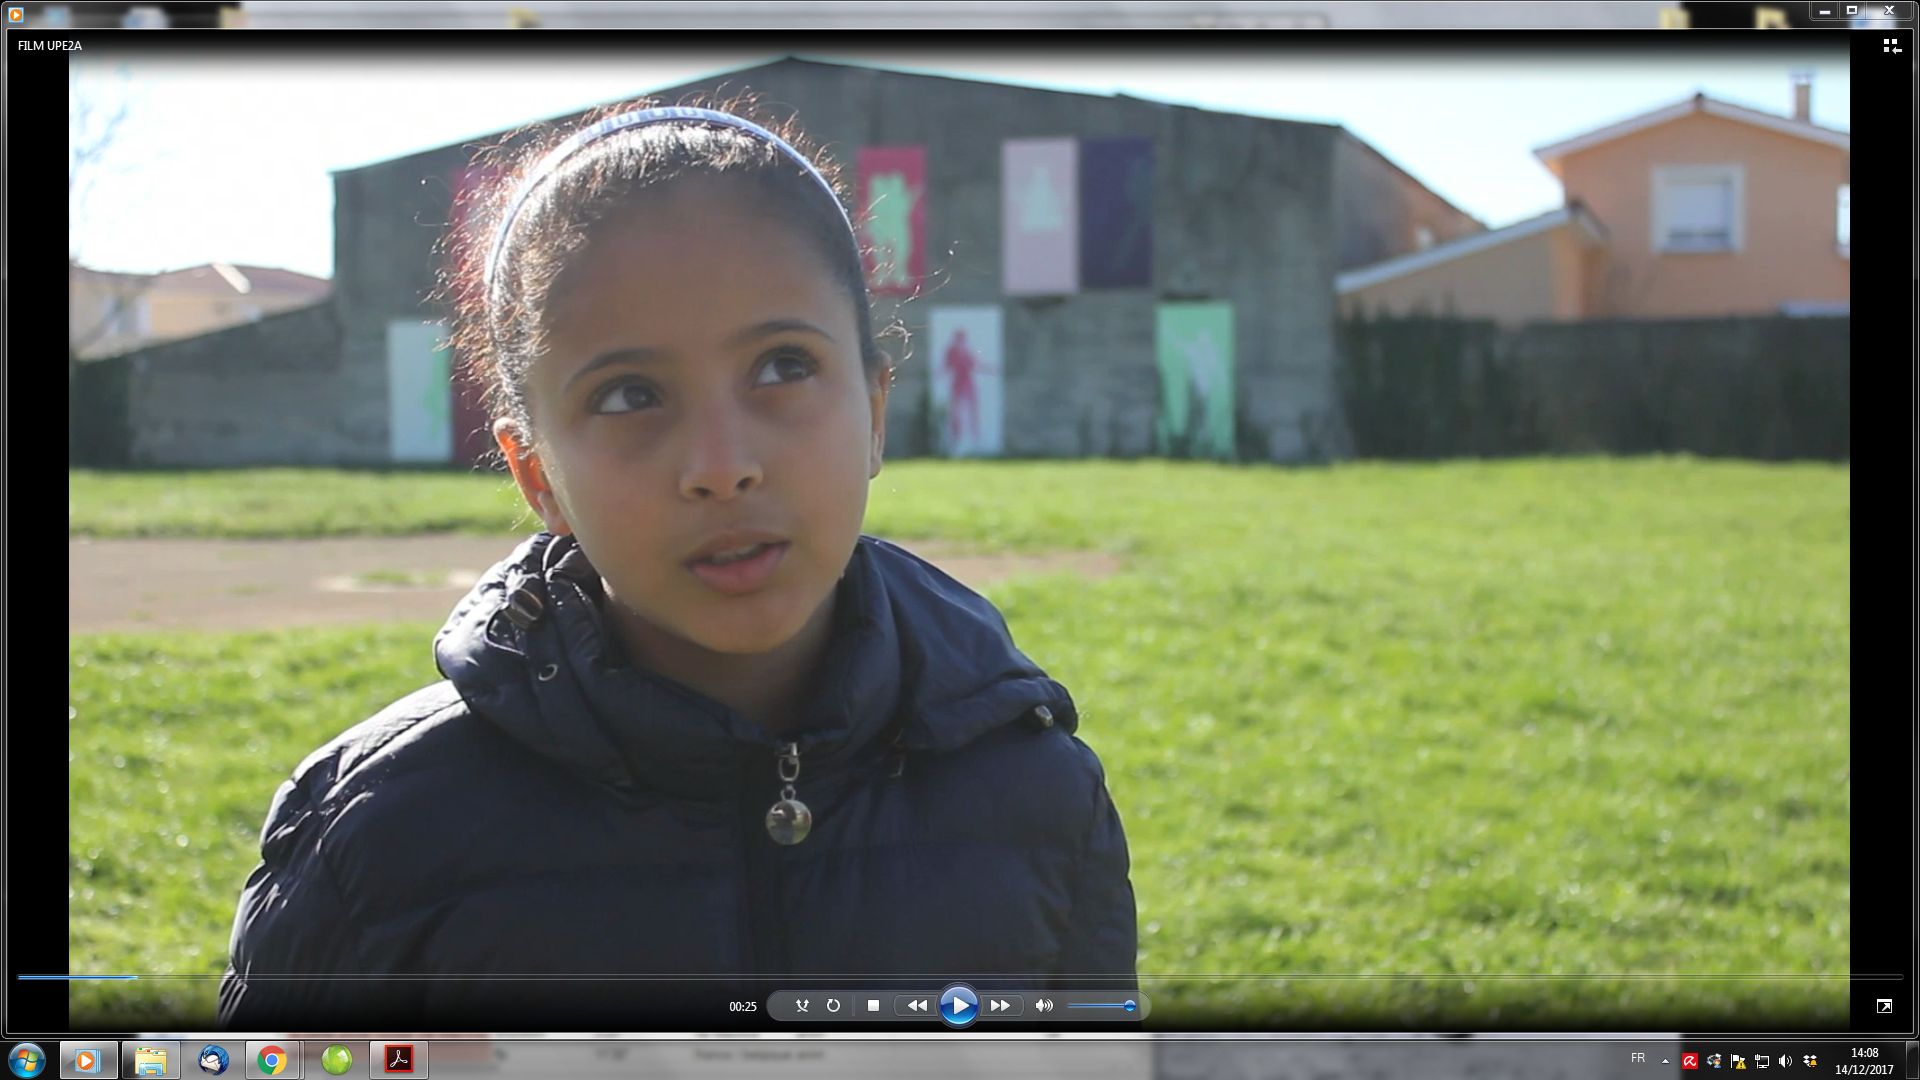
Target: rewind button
(1001,1005)
(914,1005)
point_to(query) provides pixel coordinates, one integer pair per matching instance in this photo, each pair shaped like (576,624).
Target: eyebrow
(647,354)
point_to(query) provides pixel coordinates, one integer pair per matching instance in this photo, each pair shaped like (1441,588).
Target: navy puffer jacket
(548,812)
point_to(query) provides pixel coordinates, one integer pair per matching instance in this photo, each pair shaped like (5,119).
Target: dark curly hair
(497,329)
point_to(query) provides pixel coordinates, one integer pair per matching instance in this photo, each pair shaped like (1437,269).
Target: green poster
(419,392)
(1194,345)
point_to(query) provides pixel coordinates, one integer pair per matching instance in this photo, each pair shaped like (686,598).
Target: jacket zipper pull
(789,821)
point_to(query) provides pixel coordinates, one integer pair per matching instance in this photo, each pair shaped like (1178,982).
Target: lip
(744,575)
(728,541)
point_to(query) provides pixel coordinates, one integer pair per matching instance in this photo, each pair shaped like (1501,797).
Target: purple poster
(1039,217)
(1116,213)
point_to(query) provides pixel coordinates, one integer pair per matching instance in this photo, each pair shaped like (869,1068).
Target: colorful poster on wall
(419,392)
(1039,217)
(1116,213)
(1194,344)
(468,185)
(968,380)
(893,216)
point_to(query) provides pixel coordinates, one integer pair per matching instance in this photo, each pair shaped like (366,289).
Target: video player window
(936,533)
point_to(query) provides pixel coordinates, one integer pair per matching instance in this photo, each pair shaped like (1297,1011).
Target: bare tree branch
(92,126)
(94,123)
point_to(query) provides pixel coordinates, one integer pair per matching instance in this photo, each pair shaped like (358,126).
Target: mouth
(739,567)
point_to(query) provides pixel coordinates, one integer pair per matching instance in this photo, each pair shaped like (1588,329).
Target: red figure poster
(892,216)
(968,387)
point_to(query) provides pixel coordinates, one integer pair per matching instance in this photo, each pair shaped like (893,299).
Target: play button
(959,1007)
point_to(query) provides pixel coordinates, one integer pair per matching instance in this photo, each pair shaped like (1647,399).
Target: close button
(1880,11)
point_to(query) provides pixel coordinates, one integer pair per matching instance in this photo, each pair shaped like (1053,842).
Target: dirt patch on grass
(268,584)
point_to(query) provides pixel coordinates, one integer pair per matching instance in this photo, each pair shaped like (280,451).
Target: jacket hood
(915,661)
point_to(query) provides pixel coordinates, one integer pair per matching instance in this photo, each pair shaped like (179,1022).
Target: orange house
(1698,210)
(110,313)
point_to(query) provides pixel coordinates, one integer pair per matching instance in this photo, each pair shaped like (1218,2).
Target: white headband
(636,118)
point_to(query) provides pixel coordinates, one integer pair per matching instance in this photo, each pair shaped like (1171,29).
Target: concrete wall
(269,392)
(1243,212)
(1380,209)
(387,220)
(1789,254)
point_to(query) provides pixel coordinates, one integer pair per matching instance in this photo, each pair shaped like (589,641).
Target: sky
(229,162)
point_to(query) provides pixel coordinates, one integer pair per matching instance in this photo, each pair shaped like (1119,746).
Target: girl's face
(702,394)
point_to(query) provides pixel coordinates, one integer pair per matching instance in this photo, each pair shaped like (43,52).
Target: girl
(699,726)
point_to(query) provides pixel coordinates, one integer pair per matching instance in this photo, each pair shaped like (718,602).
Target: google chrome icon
(27,1060)
(272,1060)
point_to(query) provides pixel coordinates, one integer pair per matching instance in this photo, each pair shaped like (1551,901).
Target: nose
(721,462)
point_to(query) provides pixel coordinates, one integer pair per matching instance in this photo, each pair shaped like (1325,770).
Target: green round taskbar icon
(336,1059)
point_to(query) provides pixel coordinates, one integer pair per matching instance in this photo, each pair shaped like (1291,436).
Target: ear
(877,401)
(531,475)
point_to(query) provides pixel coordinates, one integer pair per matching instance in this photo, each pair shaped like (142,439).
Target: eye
(787,366)
(625,397)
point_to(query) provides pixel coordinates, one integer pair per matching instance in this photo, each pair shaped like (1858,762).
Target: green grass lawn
(1516,728)
(258,503)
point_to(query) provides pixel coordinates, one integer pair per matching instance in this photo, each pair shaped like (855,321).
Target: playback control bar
(957,1006)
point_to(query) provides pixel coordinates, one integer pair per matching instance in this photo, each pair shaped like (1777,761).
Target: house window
(129,319)
(1422,237)
(1843,225)
(1698,208)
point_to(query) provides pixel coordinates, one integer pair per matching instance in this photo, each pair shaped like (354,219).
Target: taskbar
(309,1057)
(1126,1057)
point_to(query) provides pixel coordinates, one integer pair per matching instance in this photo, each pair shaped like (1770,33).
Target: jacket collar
(915,660)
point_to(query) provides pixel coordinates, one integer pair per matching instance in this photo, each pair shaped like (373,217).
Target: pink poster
(472,427)
(1040,217)
(469,187)
(893,216)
